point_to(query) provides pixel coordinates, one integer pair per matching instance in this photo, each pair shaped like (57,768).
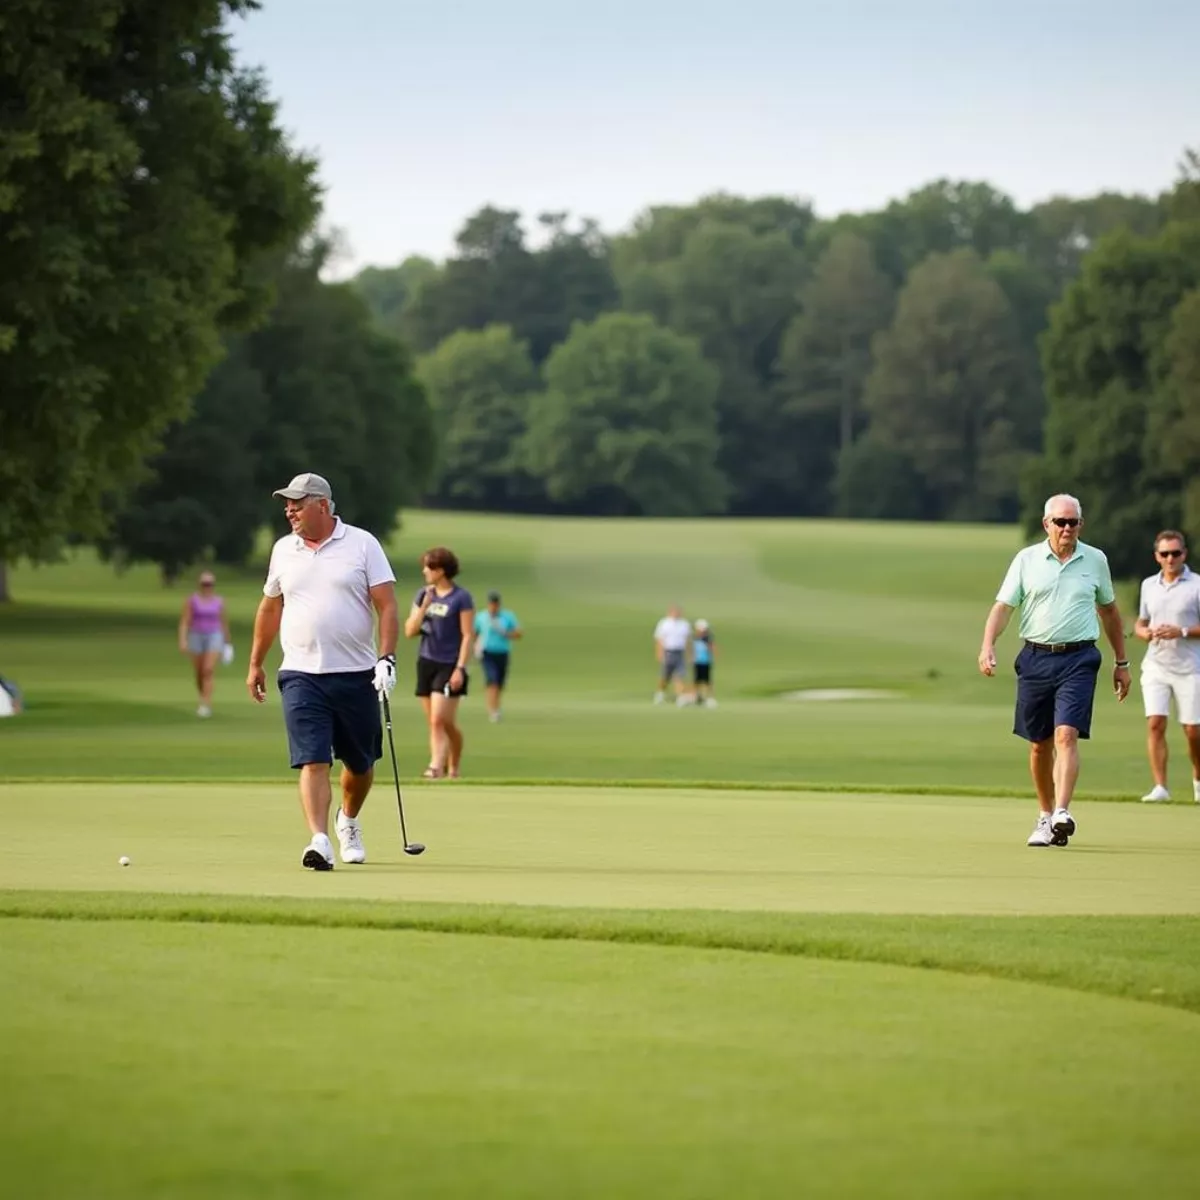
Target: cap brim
(290,493)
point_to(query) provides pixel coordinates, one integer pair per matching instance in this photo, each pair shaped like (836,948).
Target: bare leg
(445,710)
(1066,764)
(204,672)
(1193,740)
(354,790)
(1041,767)
(198,672)
(316,796)
(1156,747)
(437,753)
(493,699)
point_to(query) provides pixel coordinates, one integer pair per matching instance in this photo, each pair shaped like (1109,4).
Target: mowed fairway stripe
(153,1060)
(613,848)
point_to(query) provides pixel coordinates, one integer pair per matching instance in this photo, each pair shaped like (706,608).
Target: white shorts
(1158,688)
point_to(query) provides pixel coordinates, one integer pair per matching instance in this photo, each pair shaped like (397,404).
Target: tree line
(170,349)
(739,355)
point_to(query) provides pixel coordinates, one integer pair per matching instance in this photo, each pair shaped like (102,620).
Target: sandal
(432,772)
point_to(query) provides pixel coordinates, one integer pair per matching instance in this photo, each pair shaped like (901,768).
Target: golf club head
(415,848)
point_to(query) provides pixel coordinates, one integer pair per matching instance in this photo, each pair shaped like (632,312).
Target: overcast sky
(422,111)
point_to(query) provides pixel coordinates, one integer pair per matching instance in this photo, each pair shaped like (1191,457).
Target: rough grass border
(1147,959)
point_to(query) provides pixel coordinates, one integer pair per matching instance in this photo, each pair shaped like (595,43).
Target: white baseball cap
(307,484)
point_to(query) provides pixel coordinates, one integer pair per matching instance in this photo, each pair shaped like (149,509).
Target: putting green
(614,848)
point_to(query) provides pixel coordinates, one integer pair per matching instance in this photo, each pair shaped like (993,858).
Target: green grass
(774,949)
(795,605)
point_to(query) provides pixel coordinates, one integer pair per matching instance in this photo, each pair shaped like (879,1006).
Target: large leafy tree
(479,384)
(728,273)
(826,354)
(1116,371)
(627,424)
(318,387)
(949,389)
(496,278)
(142,176)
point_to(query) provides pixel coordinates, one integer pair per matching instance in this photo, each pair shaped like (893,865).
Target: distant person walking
(326,585)
(1064,591)
(1169,619)
(704,650)
(443,616)
(671,637)
(203,635)
(496,629)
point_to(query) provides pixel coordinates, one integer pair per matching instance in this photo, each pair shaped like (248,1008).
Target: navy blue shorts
(332,716)
(495,668)
(1055,689)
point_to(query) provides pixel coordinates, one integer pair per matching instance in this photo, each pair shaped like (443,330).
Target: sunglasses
(1065,522)
(1170,554)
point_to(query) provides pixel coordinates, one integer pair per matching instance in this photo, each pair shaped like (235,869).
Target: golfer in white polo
(326,584)
(1169,619)
(671,637)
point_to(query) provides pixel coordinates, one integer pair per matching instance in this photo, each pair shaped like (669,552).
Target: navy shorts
(332,716)
(1055,689)
(495,668)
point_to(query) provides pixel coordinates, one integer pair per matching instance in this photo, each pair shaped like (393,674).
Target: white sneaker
(710,702)
(1156,795)
(659,697)
(349,835)
(318,854)
(494,717)
(1041,835)
(1062,826)
(1196,790)
(204,711)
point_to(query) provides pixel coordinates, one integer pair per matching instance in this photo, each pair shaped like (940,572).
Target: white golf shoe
(1196,790)
(1041,835)
(349,835)
(1157,795)
(318,854)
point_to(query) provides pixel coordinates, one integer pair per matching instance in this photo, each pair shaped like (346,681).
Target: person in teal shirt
(1064,590)
(496,629)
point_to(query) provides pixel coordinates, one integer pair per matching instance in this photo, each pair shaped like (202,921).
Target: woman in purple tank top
(203,635)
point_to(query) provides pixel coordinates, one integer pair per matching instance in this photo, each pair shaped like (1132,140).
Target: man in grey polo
(1065,593)
(1169,619)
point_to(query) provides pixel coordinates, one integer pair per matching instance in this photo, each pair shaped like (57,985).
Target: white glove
(227,653)
(385,674)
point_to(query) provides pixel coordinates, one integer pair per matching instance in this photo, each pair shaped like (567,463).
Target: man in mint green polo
(1065,593)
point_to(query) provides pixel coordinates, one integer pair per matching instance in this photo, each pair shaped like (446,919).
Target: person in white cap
(326,583)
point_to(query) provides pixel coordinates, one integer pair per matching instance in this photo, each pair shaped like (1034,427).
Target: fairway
(777,948)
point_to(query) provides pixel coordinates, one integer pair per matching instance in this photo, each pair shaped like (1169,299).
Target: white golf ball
(123,860)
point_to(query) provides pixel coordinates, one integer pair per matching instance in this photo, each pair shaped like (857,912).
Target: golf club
(409,847)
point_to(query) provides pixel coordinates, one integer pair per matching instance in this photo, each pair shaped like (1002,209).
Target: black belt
(1059,647)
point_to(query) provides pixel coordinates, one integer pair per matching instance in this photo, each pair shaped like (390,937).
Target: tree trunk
(4,596)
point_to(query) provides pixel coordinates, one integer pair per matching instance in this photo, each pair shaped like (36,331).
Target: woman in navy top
(443,615)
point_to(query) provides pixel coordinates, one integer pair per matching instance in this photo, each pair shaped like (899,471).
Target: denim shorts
(332,716)
(205,643)
(1055,689)
(495,668)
